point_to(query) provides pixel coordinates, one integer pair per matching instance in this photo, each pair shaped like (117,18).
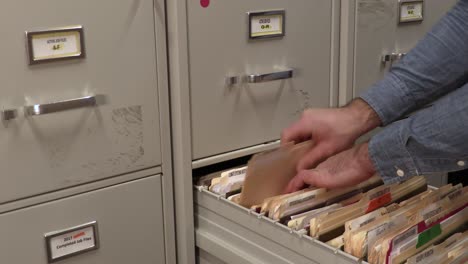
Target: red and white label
(72,242)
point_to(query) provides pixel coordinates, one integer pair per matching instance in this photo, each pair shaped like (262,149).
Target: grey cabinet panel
(204,257)
(129,218)
(378,33)
(43,153)
(226,118)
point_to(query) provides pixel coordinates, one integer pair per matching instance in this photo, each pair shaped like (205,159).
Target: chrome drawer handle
(392,57)
(267,77)
(9,114)
(42,109)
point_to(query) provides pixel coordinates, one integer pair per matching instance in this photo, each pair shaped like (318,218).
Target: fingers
(296,184)
(318,178)
(342,170)
(297,132)
(321,178)
(307,177)
(315,156)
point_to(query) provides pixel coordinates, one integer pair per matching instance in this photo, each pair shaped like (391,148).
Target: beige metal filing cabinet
(84,133)
(375,34)
(240,72)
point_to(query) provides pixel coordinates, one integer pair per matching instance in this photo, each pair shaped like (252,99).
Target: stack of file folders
(396,223)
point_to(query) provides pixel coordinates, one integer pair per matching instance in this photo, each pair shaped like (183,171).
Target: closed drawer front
(129,219)
(42,153)
(230,117)
(379,33)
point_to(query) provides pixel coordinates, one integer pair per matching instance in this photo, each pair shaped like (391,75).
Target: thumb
(296,133)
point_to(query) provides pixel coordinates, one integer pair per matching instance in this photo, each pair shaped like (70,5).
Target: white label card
(73,242)
(405,237)
(55,44)
(411,11)
(425,255)
(235,172)
(267,24)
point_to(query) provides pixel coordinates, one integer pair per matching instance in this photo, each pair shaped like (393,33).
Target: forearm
(436,66)
(364,116)
(433,140)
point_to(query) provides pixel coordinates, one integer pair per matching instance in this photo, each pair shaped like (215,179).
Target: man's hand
(332,130)
(348,168)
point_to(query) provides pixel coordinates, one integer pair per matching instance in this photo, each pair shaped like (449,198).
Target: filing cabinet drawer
(379,33)
(120,134)
(129,223)
(230,117)
(234,234)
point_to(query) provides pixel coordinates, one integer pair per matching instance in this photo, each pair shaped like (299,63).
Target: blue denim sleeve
(433,140)
(436,66)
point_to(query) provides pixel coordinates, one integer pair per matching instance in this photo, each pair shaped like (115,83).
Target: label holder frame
(403,2)
(49,236)
(31,34)
(281,12)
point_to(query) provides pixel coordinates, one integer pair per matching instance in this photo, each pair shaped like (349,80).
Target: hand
(332,130)
(345,169)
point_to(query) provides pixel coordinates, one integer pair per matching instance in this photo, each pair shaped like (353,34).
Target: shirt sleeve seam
(410,158)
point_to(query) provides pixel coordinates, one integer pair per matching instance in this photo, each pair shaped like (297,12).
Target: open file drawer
(235,234)
(229,233)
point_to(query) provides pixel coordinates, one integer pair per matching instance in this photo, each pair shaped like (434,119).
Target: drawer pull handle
(267,77)
(9,114)
(42,109)
(392,57)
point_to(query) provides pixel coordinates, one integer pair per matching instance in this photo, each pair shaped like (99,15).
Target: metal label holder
(51,235)
(30,50)
(282,13)
(401,3)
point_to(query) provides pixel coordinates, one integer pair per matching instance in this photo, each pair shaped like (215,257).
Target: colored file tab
(379,202)
(428,235)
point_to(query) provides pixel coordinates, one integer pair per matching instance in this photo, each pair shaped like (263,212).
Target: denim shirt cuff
(389,155)
(388,99)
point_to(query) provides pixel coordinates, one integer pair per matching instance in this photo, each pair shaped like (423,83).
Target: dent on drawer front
(129,218)
(56,136)
(237,235)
